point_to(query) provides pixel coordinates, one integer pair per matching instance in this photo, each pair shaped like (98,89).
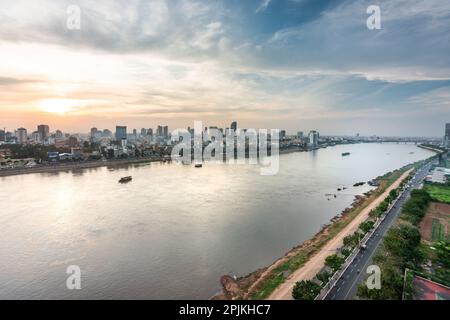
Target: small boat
(125,179)
(345,154)
(198,165)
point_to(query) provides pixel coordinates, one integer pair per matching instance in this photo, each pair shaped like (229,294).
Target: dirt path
(316,263)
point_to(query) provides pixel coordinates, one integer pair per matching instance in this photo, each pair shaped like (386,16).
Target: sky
(297,65)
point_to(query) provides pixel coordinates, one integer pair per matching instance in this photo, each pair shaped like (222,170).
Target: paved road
(347,285)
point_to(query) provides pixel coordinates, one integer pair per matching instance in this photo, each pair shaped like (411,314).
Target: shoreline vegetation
(262,283)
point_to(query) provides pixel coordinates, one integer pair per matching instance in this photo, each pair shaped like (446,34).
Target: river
(174,230)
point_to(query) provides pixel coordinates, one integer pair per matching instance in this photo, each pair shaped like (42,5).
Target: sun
(59,106)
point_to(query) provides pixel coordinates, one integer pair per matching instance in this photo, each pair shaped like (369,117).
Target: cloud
(179,58)
(5,81)
(263,6)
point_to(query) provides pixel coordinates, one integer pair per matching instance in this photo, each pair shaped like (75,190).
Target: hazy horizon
(297,65)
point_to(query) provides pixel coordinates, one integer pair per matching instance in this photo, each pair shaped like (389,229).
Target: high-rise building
(121,133)
(233,126)
(447,136)
(43,131)
(143,132)
(93,132)
(22,136)
(150,132)
(162,131)
(282,134)
(159,131)
(300,135)
(2,135)
(313,138)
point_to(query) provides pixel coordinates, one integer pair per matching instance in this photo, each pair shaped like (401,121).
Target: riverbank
(75,166)
(317,262)
(305,261)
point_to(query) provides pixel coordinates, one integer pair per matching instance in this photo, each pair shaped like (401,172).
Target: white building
(439,175)
(313,138)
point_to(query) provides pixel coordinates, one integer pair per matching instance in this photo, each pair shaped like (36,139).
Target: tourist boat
(345,154)
(125,179)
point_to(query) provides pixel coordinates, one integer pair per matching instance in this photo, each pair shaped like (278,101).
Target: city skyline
(139,130)
(310,65)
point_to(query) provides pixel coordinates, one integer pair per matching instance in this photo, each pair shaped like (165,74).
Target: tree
(346,252)
(391,284)
(443,252)
(415,208)
(324,277)
(393,194)
(351,240)
(334,262)
(305,290)
(404,242)
(366,226)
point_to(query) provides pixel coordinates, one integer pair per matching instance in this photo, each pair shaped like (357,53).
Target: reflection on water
(174,230)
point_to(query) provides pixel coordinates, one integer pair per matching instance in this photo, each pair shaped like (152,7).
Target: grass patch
(439,193)
(437,231)
(268,287)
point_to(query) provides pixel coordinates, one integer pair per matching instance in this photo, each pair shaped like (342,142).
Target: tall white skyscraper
(313,138)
